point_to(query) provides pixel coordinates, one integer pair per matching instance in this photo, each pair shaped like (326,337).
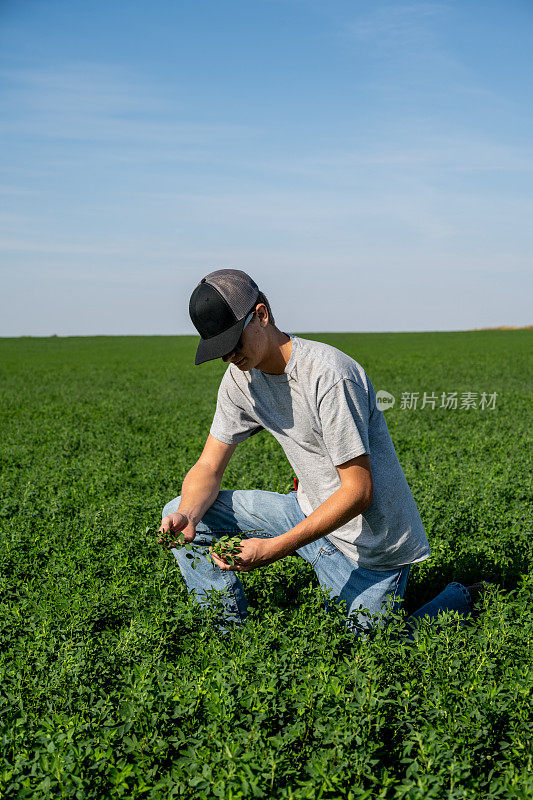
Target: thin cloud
(16,191)
(95,102)
(399,26)
(459,153)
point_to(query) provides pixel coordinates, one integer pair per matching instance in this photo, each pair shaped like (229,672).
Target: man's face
(250,349)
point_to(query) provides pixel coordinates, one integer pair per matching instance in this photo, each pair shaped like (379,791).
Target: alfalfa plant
(227,546)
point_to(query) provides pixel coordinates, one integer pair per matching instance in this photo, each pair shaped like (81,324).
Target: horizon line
(304,333)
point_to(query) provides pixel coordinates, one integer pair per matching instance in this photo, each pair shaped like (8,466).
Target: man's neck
(278,354)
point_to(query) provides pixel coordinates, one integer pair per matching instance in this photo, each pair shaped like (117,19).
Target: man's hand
(254,553)
(177,523)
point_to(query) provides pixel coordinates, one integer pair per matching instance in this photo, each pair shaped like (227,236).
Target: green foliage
(113,683)
(229,547)
(226,546)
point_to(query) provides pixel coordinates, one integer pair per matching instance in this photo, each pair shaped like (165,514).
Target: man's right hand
(177,523)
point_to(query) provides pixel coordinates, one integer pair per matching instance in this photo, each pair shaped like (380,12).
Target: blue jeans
(454,597)
(273,513)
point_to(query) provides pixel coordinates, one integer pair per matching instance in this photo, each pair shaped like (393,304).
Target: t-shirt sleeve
(232,423)
(344,416)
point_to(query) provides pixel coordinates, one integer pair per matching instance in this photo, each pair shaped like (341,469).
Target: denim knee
(171,506)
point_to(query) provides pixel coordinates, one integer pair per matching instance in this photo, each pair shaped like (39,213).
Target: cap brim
(221,345)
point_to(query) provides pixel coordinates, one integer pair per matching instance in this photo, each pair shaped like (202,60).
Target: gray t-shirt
(322,410)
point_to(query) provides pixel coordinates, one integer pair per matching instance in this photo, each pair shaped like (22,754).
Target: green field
(113,684)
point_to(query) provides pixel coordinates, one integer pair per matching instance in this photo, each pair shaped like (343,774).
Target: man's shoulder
(329,365)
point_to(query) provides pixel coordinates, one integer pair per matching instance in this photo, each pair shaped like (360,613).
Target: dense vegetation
(113,684)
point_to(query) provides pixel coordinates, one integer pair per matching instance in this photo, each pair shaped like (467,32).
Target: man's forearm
(199,491)
(334,512)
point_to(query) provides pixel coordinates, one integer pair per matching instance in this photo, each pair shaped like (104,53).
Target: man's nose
(228,356)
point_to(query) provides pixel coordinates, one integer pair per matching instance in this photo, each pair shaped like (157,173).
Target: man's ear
(262,313)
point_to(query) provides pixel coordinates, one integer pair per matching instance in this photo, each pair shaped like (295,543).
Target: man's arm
(354,496)
(200,488)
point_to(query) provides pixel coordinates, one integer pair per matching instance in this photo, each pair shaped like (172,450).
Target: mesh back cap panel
(236,287)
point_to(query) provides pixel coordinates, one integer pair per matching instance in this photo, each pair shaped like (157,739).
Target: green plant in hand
(227,546)
(169,539)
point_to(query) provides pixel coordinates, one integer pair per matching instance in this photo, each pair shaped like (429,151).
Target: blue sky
(368,163)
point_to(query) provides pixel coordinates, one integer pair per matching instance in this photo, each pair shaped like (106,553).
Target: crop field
(113,684)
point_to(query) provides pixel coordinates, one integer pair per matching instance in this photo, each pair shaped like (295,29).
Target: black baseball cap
(218,309)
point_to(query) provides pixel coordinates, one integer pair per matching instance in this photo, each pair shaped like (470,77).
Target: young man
(353,517)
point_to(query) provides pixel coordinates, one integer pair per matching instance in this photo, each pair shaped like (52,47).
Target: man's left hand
(254,553)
